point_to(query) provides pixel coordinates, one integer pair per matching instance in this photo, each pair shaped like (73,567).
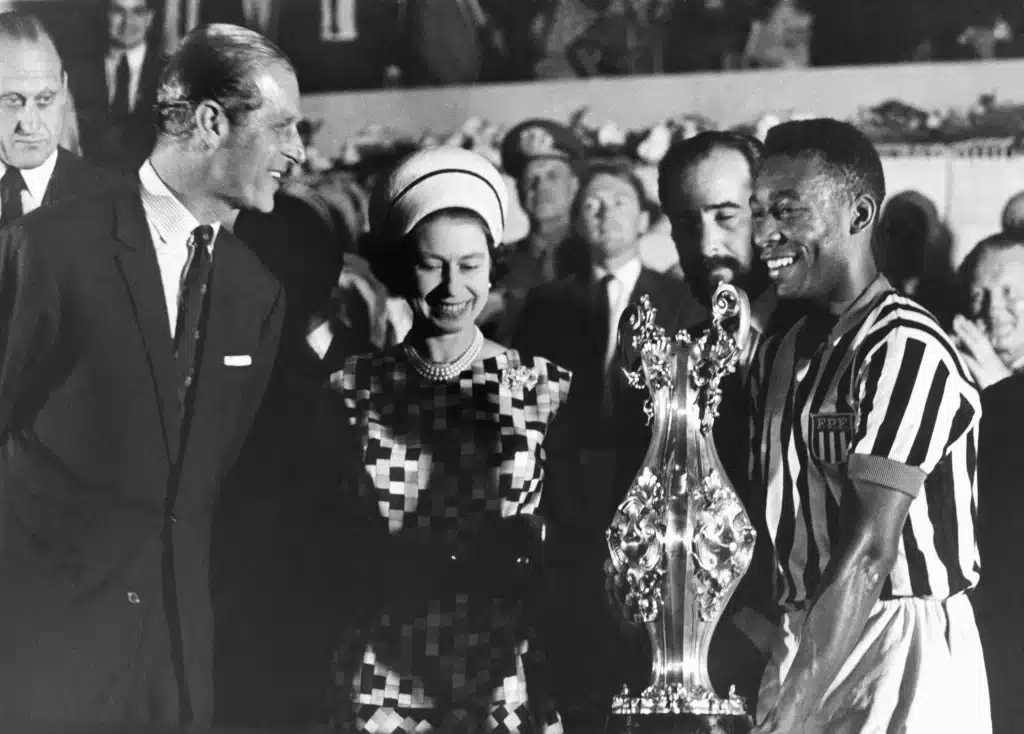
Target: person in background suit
(139,343)
(116,93)
(34,169)
(598,444)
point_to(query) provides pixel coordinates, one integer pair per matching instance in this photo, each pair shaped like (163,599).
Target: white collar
(171,219)
(135,56)
(627,274)
(38,178)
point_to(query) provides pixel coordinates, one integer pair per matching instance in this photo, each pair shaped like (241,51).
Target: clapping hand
(977,351)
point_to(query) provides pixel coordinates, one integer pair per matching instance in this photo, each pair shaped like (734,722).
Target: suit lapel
(136,258)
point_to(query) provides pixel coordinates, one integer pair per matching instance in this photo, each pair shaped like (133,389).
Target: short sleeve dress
(443,458)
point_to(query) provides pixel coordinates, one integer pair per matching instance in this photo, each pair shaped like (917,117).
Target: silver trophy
(681,540)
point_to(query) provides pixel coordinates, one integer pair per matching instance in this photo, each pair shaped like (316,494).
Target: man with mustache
(866,442)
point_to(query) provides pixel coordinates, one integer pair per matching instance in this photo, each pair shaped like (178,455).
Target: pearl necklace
(445,371)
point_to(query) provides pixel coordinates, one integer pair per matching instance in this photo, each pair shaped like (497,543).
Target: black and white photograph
(511,366)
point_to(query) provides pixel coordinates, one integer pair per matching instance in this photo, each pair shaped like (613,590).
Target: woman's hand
(986,366)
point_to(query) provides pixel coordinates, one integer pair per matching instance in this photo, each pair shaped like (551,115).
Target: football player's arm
(910,372)
(873,519)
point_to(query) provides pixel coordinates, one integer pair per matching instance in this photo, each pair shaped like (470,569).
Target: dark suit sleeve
(29,316)
(263,364)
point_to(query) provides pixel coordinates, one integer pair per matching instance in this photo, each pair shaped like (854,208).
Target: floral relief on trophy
(649,350)
(636,541)
(723,544)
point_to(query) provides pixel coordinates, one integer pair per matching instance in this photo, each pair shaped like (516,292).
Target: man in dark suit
(34,169)
(598,443)
(263,567)
(138,344)
(115,93)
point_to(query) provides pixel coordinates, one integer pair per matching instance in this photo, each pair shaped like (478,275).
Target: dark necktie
(602,317)
(122,103)
(11,185)
(188,335)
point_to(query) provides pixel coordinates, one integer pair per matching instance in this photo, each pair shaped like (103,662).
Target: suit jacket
(110,141)
(559,322)
(107,502)
(74,177)
(264,566)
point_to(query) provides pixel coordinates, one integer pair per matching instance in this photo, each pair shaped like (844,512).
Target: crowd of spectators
(371,44)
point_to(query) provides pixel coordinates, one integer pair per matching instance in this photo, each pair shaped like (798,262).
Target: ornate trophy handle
(720,349)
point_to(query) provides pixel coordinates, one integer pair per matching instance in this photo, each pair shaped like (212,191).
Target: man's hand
(986,366)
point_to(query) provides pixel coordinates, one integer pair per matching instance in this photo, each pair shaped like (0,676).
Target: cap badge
(536,141)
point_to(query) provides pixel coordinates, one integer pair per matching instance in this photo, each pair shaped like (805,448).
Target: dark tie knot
(202,236)
(12,179)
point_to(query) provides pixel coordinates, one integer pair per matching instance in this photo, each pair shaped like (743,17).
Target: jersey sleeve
(915,401)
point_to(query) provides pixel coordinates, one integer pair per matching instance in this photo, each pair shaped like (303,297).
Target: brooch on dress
(515,378)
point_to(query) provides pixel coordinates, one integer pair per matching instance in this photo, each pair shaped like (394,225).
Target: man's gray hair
(216,63)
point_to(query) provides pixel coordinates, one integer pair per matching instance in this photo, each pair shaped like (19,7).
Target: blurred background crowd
(369,44)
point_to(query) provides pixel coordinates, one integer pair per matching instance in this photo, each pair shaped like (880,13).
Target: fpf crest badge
(536,141)
(831,436)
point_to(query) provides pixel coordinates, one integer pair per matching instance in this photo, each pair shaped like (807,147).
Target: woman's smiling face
(451,270)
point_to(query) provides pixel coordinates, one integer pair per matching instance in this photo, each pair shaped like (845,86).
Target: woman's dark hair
(216,62)
(392,261)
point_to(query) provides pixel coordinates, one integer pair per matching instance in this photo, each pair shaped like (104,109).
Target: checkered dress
(443,457)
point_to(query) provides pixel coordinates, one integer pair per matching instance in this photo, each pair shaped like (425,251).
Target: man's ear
(865,212)
(212,123)
(644,222)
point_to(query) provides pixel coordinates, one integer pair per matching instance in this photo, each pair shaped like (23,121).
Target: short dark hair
(619,169)
(685,153)
(993,243)
(214,62)
(846,154)
(17,25)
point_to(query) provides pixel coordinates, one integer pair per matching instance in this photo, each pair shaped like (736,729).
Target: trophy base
(679,724)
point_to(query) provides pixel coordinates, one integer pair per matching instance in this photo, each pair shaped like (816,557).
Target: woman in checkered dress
(449,429)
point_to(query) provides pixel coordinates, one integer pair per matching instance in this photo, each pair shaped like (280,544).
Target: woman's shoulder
(360,371)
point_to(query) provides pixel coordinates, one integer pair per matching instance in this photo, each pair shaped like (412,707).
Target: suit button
(188,381)
(133,598)
(174,518)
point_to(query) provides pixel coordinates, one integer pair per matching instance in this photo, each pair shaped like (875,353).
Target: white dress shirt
(170,225)
(36,181)
(136,57)
(620,287)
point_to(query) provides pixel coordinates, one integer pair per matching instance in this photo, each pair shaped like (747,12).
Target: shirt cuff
(887,473)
